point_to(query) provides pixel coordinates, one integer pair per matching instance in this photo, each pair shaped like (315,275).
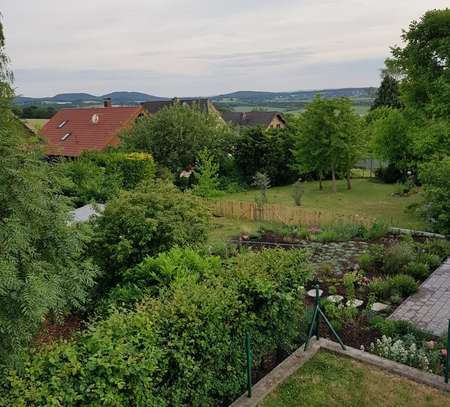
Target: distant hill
(239,101)
(85,99)
(290,101)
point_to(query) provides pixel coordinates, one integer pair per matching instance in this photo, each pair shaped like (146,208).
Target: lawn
(368,198)
(36,124)
(330,380)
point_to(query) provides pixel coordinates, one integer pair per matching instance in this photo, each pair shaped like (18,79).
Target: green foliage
(176,135)
(388,93)
(437,247)
(144,222)
(422,62)
(397,257)
(99,176)
(435,177)
(43,269)
(298,190)
(34,112)
(328,235)
(397,329)
(419,271)
(154,274)
(399,284)
(267,151)
(328,138)
(392,140)
(262,182)
(365,261)
(184,348)
(206,175)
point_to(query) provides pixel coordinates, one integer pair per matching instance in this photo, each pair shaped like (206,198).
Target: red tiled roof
(85,131)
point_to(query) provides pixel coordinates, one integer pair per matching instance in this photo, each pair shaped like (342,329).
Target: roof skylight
(62,124)
(65,137)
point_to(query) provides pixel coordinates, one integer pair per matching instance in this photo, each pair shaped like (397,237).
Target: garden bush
(397,257)
(144,222)
(419,271)
(99,176)
(183,348)
(365,261)
(398,285)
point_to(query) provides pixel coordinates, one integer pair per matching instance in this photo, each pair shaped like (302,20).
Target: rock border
(295,361)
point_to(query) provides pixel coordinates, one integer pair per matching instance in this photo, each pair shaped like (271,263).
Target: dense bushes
(181,348)
(144,222)
(99,176)
(265,151)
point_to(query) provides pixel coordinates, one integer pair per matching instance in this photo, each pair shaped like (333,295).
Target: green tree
(176,135)
(144,222)
(206,175)
(392,140)
(262,182)
(388,94)
(329,139)
(423,64)
(265,150)
(43,269)
(435,177)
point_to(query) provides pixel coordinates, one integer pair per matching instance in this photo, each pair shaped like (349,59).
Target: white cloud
(199,46)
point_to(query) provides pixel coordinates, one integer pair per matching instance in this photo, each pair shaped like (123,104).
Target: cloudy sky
(201,47)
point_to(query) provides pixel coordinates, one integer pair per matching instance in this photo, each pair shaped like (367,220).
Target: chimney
(107,102)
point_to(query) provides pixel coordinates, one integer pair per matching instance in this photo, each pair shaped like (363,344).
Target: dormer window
(65,137)
(62,124)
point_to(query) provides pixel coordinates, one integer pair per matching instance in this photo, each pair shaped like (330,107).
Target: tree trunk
(333,177)
(349,180)
(320,182)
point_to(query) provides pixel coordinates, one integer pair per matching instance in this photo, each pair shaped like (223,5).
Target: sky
(201,47)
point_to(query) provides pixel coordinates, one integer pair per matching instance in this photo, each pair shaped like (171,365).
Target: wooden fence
(281,214)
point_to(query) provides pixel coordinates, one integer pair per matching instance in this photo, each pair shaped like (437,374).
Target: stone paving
(429,308)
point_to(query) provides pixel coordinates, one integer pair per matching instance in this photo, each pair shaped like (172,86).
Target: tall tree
(424,64)
(42,268)
(329,139)
(388,94)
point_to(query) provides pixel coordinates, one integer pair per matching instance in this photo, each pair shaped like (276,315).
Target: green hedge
(182,346)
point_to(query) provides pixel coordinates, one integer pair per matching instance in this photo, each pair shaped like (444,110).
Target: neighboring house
(205,105)
(267,120)
(71,131)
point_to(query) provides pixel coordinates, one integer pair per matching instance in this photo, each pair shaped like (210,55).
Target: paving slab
(429,308)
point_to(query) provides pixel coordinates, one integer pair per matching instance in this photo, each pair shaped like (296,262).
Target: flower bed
(363,276)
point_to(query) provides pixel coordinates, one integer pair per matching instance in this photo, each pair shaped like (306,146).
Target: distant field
(36,124)
(360,109)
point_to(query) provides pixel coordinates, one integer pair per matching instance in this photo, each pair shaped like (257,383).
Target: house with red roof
(71,131)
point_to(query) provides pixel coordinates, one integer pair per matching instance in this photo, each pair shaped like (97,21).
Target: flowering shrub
(405,351)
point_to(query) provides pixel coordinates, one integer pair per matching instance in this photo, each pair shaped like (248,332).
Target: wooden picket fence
(281,214)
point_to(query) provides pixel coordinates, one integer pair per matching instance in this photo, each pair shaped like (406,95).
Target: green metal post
(248,351)
(311,327)
(318,307)
(448,354)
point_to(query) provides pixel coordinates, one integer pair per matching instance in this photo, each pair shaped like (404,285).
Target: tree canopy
(176,135)
(329,138)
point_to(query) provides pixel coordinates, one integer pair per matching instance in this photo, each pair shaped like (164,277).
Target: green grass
(368,198)
(36,124)
(331,380)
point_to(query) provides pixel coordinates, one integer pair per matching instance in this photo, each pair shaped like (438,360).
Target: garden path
(429,308)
